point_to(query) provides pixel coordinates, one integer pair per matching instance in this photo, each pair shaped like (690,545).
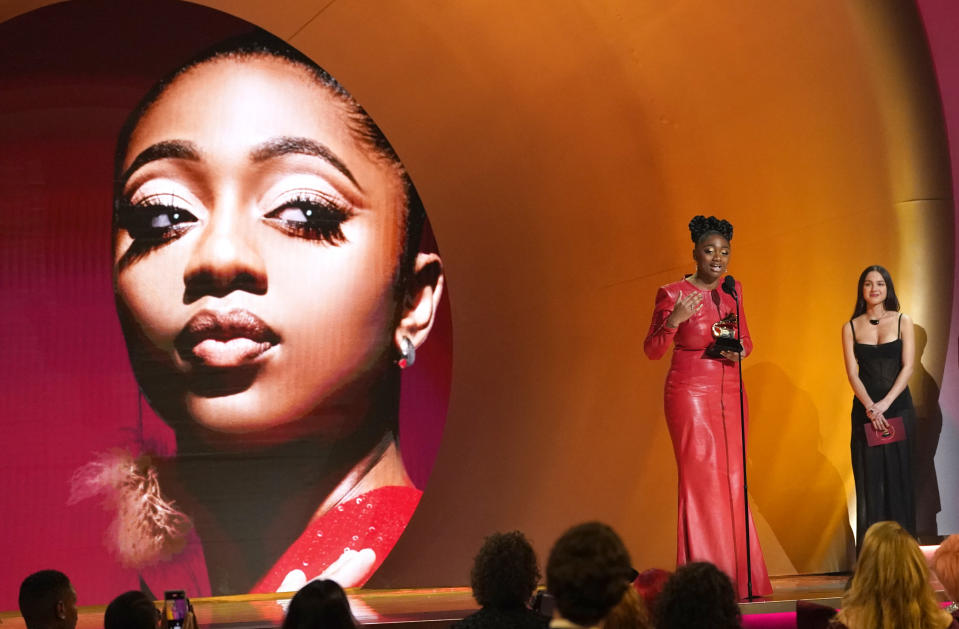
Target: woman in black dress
(879,348)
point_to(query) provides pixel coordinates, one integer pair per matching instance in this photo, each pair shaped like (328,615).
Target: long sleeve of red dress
(702,413)
(696,332)
(660,338)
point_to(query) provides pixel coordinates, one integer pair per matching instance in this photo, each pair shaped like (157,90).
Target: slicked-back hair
(39,594)
(259,44)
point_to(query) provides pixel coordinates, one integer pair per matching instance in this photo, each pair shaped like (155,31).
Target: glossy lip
(224,339)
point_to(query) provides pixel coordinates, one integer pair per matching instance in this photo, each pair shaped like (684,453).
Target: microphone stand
(742,427)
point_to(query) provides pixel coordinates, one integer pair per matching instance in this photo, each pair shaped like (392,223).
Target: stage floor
(432,608)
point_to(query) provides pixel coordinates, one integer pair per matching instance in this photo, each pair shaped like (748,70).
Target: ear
(61,610)
(422,298)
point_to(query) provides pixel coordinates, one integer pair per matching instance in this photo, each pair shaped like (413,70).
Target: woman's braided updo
(701,226)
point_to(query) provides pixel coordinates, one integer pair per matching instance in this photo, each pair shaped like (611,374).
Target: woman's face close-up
(256,251)
(712,257)
(874,288)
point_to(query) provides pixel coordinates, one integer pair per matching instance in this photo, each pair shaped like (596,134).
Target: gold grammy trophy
(724,331)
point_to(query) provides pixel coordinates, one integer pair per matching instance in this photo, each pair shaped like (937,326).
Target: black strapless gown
(883,474)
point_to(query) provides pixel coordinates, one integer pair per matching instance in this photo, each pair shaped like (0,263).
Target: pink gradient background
(941,20)
(69,75)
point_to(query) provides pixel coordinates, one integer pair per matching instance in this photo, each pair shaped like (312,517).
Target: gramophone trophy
(724,331)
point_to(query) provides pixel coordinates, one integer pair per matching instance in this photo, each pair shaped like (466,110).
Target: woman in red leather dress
(702,410)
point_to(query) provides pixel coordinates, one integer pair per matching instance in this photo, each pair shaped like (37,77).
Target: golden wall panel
(560,148)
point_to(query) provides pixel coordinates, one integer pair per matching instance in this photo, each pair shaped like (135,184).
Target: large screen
(227,345)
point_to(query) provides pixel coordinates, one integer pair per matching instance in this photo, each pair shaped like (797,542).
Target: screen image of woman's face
(256,252)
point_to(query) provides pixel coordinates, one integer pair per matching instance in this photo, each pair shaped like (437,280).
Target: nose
(226,258)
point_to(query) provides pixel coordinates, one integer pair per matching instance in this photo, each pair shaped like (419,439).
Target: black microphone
(729,287)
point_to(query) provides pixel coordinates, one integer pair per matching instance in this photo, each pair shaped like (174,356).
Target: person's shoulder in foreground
(489,618)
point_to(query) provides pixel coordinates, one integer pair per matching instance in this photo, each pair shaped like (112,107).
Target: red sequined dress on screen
(702,413)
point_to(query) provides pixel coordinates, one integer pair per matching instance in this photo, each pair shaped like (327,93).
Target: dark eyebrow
(286,145)
(169,149)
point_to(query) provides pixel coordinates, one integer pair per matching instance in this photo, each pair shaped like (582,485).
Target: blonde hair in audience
(890,588)
(946,564)
(629,613)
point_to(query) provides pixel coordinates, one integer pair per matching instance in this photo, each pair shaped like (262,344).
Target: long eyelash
(135,219)
(327,225)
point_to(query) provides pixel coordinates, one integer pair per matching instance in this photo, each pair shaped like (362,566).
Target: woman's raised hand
(686,306)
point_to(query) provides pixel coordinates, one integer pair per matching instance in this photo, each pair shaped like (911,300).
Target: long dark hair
(891,303)
(319,604)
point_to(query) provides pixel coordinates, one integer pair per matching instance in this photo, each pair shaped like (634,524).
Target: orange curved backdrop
(560,149)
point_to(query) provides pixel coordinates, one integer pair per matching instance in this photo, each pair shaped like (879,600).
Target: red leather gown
(702,412)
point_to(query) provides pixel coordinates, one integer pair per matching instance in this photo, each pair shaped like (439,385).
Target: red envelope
(896,432)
